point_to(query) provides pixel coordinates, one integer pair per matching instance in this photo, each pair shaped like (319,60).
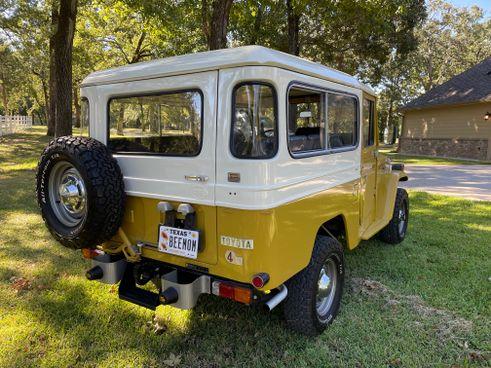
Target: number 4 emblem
(231,257)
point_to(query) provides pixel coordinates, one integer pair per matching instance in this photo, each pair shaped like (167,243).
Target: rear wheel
(80,191)
(396,229)
(314,294)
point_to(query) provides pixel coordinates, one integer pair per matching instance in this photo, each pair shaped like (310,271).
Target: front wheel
(395,231)
(314,294)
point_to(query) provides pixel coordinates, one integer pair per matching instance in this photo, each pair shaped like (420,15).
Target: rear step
(180,290)
(131,293)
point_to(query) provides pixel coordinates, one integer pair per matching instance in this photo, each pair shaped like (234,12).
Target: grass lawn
(424,303)
(427,160)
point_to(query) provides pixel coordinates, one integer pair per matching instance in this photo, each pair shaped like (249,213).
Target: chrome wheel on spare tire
(67,194)
(314,294)
(80,191)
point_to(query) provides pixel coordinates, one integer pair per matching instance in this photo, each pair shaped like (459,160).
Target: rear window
(254,122)
(166,124)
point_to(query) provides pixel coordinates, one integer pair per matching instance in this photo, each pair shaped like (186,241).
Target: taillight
(259,280)
(230,291)
(226,291)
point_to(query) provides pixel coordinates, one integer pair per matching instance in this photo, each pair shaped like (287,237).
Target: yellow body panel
(283,237)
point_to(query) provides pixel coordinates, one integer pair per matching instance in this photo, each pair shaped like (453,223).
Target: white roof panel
(220,59)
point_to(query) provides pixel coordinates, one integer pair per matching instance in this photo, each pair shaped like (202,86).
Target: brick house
(452,119)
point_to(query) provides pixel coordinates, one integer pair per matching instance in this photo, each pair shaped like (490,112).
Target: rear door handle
(200,178)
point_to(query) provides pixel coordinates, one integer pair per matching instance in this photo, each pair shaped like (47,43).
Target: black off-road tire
(104,191)
(300,305)
(392,234)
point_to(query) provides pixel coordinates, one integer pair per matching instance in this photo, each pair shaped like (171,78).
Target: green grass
(428,160)
(424,303)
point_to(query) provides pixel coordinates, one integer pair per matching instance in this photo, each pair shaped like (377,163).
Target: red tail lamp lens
(259,280)
(226,291)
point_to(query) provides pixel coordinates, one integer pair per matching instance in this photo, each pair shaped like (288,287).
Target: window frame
(326,91)
(371,119)
(160,93)
(232,118)
(310,153)
(82,100)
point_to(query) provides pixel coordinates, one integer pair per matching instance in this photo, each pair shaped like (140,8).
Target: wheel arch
(337,227)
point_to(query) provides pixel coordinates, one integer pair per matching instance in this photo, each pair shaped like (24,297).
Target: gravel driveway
(467,181)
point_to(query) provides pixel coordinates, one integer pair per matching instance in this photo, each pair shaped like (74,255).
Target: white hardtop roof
(220,59)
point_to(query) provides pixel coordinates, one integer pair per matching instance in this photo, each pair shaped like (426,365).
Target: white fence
(13,124)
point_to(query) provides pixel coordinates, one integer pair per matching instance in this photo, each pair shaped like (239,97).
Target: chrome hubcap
(326,287)
(67,194)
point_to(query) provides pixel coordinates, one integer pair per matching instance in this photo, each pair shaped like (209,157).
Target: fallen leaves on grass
(20,284)
(448,324)
(157,326)
(173,360)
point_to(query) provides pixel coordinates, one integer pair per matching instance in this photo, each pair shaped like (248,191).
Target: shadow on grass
(216,333)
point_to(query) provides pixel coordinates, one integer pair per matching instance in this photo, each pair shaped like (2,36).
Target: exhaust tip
(169,296)
(95,273)
(277,298)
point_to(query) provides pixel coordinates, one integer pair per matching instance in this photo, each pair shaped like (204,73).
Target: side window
(306,120)
(342,120)
(167,124)
(84,117)
(368,122)
(254,122)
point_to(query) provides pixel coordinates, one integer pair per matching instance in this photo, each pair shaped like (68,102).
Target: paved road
(467,181)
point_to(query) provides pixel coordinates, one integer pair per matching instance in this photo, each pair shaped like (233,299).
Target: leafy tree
(450,41)
(350,35)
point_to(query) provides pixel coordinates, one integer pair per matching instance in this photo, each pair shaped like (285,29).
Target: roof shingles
(473,85)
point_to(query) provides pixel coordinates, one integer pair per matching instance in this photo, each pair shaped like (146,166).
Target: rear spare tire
(80,191)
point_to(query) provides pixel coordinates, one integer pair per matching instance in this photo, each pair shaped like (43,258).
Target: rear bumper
(174,285)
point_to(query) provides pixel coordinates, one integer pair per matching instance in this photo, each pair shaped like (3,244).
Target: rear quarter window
(254,131)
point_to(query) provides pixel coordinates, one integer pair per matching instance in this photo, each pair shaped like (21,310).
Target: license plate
(179,242)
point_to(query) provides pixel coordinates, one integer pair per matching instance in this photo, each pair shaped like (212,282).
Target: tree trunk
(61,45)
(401,133)
(139,52)
(293,29)
(76,104)
(389,119)
(5,99)
(51,108)
(44,86)
(120,123)
(258,19)
(215,29)
(46,100)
